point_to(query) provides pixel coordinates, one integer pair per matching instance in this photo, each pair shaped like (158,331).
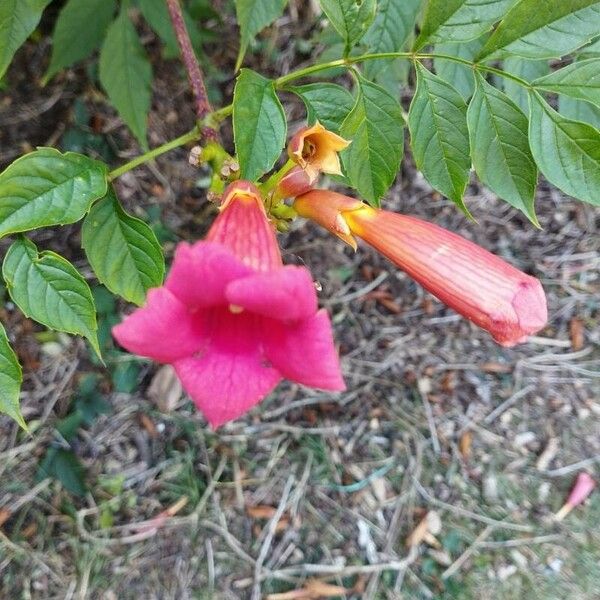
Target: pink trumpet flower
(584,486)
(478,285)
(231,319)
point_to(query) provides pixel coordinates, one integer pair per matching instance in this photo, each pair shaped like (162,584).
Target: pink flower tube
(485,289)
(231,319)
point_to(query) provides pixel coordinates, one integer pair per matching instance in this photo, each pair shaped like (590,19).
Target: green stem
(283,81)
(190,136)
(271,183)
(213,119)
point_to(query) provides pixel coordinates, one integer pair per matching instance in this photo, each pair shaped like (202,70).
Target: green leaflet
(393,26)
(567,152)
(10,380)
(79,30)
(437,121)
(48,289)
(580,79)
(500,149)
(525,69)
(122,250)
(579,110)
(18,19)
(47,187)
(459,20)
(376,128)
(327,103)
(259,124)
(350,18)
(252,17)
(126,75)
(456,74)
(535,29)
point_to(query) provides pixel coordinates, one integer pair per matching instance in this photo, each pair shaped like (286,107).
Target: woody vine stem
(209,120)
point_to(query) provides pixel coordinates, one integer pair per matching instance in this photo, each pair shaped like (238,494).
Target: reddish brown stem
(190,61)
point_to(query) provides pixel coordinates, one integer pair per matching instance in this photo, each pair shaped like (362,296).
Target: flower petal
(163,329)
(287,293)
(230,374)
(223,386)
(305,352)
(201,272)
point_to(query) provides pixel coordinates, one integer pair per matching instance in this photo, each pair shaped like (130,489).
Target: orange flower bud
(477,284)
(316,149)
(294,183)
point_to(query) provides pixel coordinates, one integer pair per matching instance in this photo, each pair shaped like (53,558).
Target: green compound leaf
(252,17)
(259,125)
(79,30)
(376,128)
(525,69)
(500,149)
(122,250)
(350,18)
(10,380)
(580,80)
(535,29)
(46,187)
(49,289)
(437,121)
(18,19)
(393,26)
(567,152)
(459,20)
(327,103)
(126,75)
(456,74)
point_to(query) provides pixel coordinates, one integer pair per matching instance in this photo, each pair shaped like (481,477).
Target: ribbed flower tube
(482,287)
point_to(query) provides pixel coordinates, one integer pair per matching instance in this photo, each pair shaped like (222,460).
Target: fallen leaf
(148,424)
(429,526)
(576,331)
(464,445)
(418,534)
(262,511)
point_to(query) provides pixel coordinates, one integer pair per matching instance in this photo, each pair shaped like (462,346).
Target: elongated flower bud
(294,183)
(477,284)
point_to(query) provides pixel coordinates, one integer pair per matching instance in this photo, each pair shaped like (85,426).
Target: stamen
(235,309)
